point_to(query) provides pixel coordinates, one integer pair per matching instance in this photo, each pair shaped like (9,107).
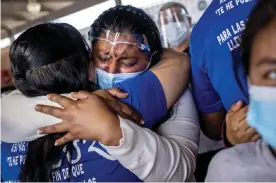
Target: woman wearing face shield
(175,24)
(255,161)
(118,56)
(130,154)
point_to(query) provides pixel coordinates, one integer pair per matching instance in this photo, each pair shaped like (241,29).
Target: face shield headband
(116,41)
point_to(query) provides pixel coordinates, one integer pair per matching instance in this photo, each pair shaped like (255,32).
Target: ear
(190,20)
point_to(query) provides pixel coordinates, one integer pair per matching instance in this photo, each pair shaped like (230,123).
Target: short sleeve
(218,77)
(146,96)
(206,98)
(227,74)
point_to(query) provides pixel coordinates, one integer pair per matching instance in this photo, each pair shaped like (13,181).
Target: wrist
(226,137)
(112,134)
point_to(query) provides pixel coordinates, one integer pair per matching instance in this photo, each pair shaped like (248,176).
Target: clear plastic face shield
(175,26)
(118,56)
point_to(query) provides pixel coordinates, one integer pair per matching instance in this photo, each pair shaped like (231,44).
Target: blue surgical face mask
(262,112)
(107,80)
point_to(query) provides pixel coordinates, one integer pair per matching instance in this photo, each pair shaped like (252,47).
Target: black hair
(261,16)
(134,20)
(48,58)
(173,4)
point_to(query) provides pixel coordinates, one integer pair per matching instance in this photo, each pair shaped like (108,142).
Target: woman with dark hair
(255,161)
(124,27)
(43,73)
(119,29)
(80,160)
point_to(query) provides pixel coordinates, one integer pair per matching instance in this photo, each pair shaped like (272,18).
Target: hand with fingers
(237,129)
(90,118)
(118,107)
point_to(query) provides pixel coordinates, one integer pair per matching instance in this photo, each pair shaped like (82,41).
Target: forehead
(173,10)
(122,37)
(264,45)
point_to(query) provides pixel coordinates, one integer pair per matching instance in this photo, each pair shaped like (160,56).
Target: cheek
(91,72)
(255,76)
(97,63)
(142,64)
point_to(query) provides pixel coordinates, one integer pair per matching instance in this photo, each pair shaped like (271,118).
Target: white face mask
(107,80)
(177,33)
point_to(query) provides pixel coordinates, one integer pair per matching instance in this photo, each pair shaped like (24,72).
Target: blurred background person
(175,24)
(255,161)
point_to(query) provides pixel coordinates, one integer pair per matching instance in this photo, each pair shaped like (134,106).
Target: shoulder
(20,121)
(136,82)
(203,34)
(205,23)
(232,164)
(237,153)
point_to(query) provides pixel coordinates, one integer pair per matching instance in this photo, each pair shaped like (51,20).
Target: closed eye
(128,62)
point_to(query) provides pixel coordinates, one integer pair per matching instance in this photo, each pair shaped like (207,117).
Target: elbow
(189,164)
(215,137)
(211,125)
(183,62)
(212,132)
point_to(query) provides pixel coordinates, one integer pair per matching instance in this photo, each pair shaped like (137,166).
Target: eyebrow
(123,54)
(270,61)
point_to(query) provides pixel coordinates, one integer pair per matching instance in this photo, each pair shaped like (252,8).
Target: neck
(182,47)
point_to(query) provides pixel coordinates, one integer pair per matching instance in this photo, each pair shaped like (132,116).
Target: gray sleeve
(169,155)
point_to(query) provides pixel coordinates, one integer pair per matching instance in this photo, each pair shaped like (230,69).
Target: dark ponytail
(41,156)
(48,58)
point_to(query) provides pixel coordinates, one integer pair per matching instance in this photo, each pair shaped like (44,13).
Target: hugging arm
(167,155)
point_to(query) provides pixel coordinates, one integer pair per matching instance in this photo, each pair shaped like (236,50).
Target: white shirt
(169,155)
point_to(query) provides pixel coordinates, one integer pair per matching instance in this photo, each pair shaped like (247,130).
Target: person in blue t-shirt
(218,79)
(33,81)
(255,161)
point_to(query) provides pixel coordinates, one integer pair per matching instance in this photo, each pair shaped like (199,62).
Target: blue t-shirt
(218,77)
(90,162)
